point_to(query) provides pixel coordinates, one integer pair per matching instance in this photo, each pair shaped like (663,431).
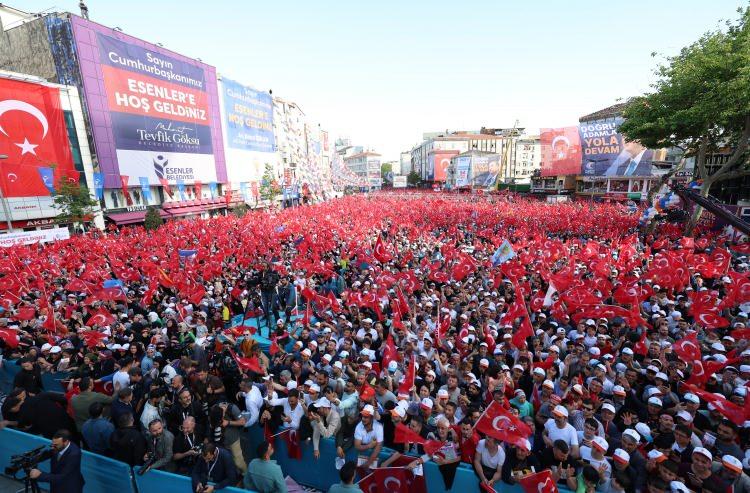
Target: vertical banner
(561,151)
(243,191)
(48,178)
(463,167)
(124,185)
(33,136)
(99,185)
(212,188)
(181,188)
(145,189)
(607,153)
(198,189)
(256,192)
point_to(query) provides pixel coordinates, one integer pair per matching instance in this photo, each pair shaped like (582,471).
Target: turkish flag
(292,444)
(380,253)
(26,313)
(504,426)
(688,348)
(251,364)
(386,479)
(540,482)
(92,338)
(10,337)
(390,353)
(32,135)
(101,317)
(404,434)
(408,383)
(730,410)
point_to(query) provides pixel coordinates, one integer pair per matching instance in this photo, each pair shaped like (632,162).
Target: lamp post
(6,209)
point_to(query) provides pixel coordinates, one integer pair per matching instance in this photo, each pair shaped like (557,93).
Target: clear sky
(382,72)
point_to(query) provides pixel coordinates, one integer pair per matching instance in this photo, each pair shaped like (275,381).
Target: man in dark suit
(215,466)
(634,160)
(65,471)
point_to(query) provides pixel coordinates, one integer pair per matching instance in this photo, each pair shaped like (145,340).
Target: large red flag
(33,137)
(390,353)
(294,451)
(502,425)
(10,337)
(540,482)
(387,480)
(730,410)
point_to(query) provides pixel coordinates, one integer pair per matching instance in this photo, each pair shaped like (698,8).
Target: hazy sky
(383,72)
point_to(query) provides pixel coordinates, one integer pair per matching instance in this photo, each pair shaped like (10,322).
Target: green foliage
(413,178)
(153,219)
(269,187)
(385,168)
(73,201)
(700,103)
(240,210)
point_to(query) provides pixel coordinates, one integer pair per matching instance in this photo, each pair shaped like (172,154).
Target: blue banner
(187,253)
(145,188)
(249,117)
(212,187)
(181,188)
(243,190)
(607,153)
(503,253)
(48,178)
(99,185)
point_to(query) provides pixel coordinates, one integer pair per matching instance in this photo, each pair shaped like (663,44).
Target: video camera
(27,461)
(150,459)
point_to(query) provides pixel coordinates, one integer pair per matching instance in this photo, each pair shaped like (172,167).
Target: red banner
(561,151)
(33,136)
(441,162)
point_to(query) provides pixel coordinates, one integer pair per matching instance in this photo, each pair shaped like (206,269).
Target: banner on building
(463,170)
(29,237)
(440,162)
(154,113)
(399,181)
(486,169)
(561,151)
(33,136)
(248,117)
(607,153)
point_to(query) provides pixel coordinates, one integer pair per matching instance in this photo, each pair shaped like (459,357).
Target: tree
(700,104)
(413,179)
(153,219)
(240,210)
(73,201)
(269,187)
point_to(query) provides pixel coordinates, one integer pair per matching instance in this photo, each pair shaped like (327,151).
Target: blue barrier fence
(102,473)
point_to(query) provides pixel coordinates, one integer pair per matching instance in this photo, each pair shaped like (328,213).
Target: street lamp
(6,209)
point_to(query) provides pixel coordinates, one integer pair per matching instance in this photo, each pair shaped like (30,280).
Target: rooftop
(609,112)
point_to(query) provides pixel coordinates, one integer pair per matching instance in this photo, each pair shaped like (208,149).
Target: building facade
(366,166)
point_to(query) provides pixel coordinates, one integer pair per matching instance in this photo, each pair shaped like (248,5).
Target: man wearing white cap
(325,422)
(558,428)
(730,470)
(594,455)
(368,438)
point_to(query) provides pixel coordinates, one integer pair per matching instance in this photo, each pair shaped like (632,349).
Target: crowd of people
(400,325)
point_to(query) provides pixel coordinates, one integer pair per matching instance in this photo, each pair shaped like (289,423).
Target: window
(74,146)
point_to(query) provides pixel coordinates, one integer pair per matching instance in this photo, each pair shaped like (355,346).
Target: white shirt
(586,455)
(253,404)
(568,434)
(150,413)
(295,414)
(120,380)
(492,461)
(365,437)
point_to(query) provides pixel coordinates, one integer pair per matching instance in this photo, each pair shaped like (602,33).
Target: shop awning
(186,211)
(122,218)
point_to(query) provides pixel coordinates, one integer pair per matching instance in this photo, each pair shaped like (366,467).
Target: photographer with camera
(215,466)
(185,406)
(160,444)
(65,469)
(188,444)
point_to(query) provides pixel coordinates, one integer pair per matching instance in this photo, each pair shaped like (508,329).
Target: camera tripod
(30,485)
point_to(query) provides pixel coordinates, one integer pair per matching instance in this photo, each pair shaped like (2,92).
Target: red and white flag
(541,482)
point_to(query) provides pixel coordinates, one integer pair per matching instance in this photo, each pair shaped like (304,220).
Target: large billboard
(248,131)
(561,151)
(154,113)
(607,153)
(485,170)
(33,139)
